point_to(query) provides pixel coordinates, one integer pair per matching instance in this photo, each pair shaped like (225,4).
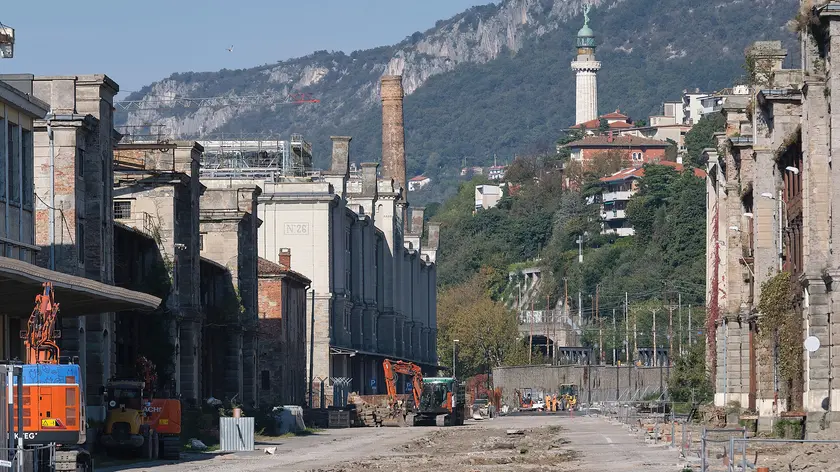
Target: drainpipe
(725,347)
(752,394)
(312,349)
(50,117)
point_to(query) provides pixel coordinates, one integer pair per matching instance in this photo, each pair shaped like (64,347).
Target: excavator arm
(392,368)
(40,335)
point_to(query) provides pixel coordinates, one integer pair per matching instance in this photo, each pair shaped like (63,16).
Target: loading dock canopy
(76,296)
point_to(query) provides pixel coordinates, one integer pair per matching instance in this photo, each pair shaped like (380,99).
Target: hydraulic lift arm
(392,368)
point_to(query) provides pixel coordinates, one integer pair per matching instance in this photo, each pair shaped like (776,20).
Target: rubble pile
(369,413)
(805,458)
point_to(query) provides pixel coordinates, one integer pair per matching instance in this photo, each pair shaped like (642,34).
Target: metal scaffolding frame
(262,158)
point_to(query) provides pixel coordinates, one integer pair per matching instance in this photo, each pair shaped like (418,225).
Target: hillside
(492,80)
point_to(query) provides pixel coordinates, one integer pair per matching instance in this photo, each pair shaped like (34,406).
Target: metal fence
(341,390)
(236,434)
(730,451)
(657,423)
(30,459)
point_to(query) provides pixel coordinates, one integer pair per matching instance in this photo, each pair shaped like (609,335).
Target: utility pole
(626,332)
(600,325)
(679,315)
(545,322)
(690,333)
(615,359)
(566,305)
(580,249)
(531,337)
(635,338)
(670,333)
(580,312)
(655,357)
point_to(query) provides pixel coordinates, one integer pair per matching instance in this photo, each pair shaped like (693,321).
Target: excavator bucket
(396,419)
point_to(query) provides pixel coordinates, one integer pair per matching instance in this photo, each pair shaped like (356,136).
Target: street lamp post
(454,344)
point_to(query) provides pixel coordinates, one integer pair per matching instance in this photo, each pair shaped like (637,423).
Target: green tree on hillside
(487,332)
(702,136)
(653,194)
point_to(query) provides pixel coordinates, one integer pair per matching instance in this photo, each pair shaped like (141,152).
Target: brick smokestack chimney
(417,220)
(340,155)
(393,131)
(285,258)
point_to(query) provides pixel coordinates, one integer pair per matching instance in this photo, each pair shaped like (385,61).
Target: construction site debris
(459,450)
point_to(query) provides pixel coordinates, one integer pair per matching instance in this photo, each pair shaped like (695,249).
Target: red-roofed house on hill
(282,331)
(618,188)
(615,120)
(637,151)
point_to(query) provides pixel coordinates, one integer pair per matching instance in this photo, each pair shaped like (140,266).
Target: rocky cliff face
(348,85)
(494,80)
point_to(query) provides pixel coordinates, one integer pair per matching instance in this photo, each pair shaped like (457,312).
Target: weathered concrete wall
(595,383)
(84,149)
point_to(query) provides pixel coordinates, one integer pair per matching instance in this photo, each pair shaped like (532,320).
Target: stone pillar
(393,132)
(190,337)
(816,234)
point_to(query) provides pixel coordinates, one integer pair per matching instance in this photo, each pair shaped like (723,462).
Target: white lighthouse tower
(586,70)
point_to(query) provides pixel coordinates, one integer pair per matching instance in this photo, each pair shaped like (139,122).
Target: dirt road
(556,443)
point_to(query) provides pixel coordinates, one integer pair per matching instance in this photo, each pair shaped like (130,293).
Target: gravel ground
(547,442)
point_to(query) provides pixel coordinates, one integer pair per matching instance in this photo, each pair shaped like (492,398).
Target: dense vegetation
(516,104)
(539,223)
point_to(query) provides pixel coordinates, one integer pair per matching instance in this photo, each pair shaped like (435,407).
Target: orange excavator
(52,394)
(392,368)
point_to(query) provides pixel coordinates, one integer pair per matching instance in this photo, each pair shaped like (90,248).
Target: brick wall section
(282,335)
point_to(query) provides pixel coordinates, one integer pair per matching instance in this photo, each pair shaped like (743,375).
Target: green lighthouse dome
(586,37)
(586,32)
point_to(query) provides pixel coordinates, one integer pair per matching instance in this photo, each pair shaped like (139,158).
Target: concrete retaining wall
(595,383)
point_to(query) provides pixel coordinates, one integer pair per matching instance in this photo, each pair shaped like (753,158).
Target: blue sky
(137,42)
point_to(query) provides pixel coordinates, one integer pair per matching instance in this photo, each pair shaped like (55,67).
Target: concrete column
(393,132)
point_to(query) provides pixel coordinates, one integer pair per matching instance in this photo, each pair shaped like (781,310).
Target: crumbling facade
(228,236)
(156,191)
(55,176)
(772,193)
(73,155)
